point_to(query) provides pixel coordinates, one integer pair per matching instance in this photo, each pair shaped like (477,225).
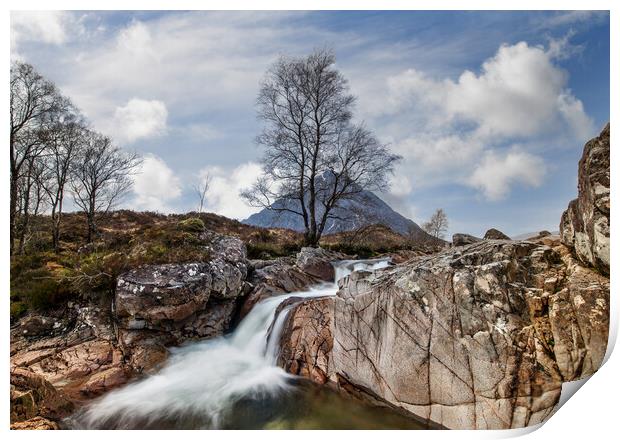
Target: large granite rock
(480,336)
(585,224)
(162,305)
(495,234)
(464,239)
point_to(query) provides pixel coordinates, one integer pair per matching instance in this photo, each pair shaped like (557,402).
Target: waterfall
(205,379)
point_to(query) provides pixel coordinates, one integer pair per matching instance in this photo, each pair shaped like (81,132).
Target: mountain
(364,210)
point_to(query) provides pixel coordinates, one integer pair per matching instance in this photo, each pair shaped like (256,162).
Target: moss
(192,224)
(18,309)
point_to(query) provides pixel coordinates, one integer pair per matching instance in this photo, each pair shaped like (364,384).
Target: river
(233,382)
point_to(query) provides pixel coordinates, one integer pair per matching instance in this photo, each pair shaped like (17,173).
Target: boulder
(36,325)
(584,226)
(317,262)
(464,239)
(495,234)
(274,277)
(475,337)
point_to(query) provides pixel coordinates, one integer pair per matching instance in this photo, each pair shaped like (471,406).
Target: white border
(592,413)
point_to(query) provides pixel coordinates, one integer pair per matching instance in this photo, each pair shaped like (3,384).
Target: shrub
(40,289)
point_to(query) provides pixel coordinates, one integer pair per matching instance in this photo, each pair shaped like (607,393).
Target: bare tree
(201,190)
(31,194)
(437,225)
(101,175)
(64,146)
(35,105)
(315,157)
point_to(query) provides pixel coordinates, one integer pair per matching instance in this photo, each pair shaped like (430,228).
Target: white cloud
(453,131)
(442,120)
(155,186)
(517,94)
(43,26)
(223,194)
(400,185)
(495,175)
(565,18)
(139,119)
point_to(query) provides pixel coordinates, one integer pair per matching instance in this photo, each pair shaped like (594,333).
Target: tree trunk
(91,227)
(25,218)
(13,213)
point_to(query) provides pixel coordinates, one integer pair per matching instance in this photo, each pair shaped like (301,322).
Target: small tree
(437,225)
(32,197)
(101,175)
(201,190)
(64,146)
(315,156)
(35,106)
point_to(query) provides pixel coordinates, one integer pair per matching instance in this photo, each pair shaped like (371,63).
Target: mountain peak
(364,209)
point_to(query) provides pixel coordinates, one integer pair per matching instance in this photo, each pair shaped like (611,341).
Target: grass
(43,280)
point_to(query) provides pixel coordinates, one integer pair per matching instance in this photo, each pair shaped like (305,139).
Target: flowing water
(234,382)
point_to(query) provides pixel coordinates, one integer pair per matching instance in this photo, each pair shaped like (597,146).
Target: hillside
(366,209)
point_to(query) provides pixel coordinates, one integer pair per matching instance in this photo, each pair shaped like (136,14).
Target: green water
(304,406)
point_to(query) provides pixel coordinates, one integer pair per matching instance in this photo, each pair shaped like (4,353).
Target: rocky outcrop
(70,359)
(464,239)
(89,349)
(34,401)
(285,275)
(274,277)
(480,336)
(164,305)
(495,234)
(584,226)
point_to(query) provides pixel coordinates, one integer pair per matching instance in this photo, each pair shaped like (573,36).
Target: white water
(205,379)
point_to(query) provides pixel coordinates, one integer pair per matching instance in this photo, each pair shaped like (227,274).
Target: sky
(489,110)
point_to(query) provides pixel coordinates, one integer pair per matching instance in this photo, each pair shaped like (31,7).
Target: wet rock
(475,337)
(464,239)
(105,380)
(274,277)
(36,423)
(307,340)
(32,396)
(317,262)
(584,226)
(494,234)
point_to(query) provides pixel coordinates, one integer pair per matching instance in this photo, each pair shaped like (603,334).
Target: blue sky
(490,110)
